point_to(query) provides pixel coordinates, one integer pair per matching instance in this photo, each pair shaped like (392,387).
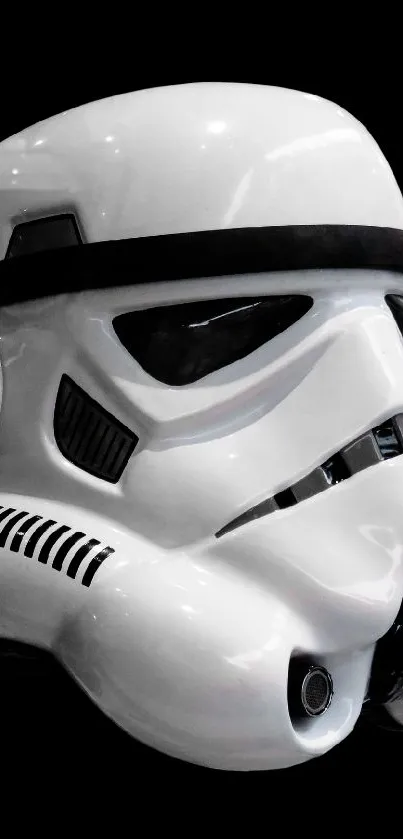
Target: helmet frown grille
(378,444)
(88,435)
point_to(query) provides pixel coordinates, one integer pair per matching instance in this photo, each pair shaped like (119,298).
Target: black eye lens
(178,345)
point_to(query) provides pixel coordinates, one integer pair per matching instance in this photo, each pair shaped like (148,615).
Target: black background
(50,733)
(365,81)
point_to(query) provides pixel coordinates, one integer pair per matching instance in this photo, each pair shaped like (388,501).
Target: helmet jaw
(214,689)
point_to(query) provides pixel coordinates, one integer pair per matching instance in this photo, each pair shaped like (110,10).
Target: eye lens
(178,345)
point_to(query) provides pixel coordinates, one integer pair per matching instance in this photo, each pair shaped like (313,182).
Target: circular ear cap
(310,689)
(316,691)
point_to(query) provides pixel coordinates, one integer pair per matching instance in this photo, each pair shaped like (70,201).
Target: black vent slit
(88,435)
(104,448)
(66,397)
(388,440)
(362,453)
(85,441)
(285,499)
(317,481)
(6,530)
(382,443)
(17,523)
(115,454)
(79,556)
(97,443)
(91,442)
(398,426)
(108,450)
(94,565)
(6,512)
(263,509)
(65,548)
(71,408)
(75,425)
(119,456)
(336,470)
(50,542)
(34,539)
(22,530)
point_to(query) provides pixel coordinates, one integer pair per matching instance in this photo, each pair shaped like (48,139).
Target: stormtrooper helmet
(201,421)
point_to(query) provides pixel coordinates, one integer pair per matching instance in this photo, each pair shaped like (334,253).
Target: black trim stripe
(79,556)
(6,530)
(209,253)
(17,539)
(379,444)
(67,543)
(64,549)
(94,565)
(50,542)
(34,539)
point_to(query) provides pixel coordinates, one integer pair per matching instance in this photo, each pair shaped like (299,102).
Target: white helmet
(202,413)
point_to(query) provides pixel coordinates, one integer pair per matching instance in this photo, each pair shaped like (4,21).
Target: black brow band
(211,253)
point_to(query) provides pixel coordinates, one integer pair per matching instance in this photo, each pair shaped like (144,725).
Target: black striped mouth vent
(381,443)
(88,435)
(22,533)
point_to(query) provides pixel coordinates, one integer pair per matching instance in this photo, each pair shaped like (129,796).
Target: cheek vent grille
(381,443)
(88,435)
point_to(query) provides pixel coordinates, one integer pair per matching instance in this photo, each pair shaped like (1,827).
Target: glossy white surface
(198,157)
(183,639)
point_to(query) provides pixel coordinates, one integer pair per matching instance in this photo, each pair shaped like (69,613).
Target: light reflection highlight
(216,127)
(238,199)
(315,142)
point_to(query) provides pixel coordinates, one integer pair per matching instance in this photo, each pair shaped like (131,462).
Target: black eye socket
(43,234)
(178,345)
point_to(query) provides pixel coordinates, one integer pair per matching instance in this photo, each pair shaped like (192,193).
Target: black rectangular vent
(88,435)
(43,234)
